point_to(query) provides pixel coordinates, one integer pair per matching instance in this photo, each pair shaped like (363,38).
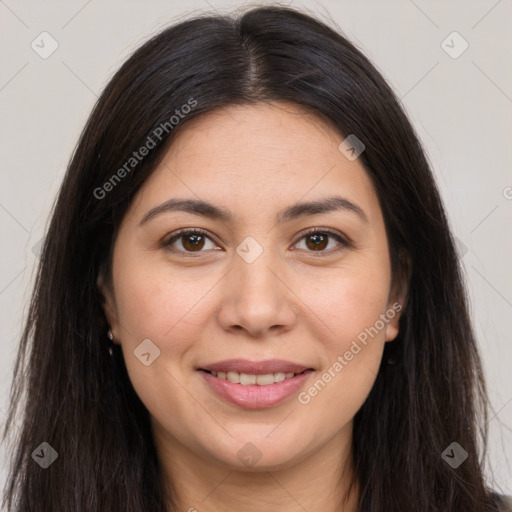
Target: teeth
(247,379)
(265,379)
(233,377)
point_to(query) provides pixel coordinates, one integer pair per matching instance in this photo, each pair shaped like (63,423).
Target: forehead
(260,156)
(278,134)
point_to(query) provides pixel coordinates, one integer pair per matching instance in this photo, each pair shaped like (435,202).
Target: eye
(195,240)
(190,240)
(317,240)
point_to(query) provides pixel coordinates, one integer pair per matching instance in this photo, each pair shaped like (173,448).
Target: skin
(290,303)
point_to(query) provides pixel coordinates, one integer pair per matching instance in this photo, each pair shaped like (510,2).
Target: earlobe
(391,331)
(393,314)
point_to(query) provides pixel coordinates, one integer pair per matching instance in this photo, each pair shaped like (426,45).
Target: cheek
(159,307)
(351,308)
(353,303)
(152,301)
(352,357)
(167,306)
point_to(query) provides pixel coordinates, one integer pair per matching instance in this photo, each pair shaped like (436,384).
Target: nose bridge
(257,299)
(252,270)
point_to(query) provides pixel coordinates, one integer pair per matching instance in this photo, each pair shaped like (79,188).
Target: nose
(257,299)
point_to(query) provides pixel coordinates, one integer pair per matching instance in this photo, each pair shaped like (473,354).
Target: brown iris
(193,241)
(319,241)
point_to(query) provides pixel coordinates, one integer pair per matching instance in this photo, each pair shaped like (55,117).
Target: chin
(255,453)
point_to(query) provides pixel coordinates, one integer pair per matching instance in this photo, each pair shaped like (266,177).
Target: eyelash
(344,243)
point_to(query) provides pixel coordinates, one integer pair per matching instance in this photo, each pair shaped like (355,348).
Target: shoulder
(503,501)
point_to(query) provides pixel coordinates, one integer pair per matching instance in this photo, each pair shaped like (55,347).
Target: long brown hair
(79,399)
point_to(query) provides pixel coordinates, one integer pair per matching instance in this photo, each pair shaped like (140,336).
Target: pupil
(318,240)
(196,241)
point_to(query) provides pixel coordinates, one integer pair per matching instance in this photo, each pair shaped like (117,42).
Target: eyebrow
(205,209)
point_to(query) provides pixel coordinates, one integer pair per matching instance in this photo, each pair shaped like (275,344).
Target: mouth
(248,379)
(254,385)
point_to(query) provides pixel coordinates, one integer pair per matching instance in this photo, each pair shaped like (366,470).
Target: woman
(249,297)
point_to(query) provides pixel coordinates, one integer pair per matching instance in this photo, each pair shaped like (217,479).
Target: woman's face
(257,294)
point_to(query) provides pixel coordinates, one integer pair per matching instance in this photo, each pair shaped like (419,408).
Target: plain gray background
(461,108)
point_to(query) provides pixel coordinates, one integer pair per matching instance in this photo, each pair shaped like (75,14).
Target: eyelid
(334,233)
(343,240)
(168,240)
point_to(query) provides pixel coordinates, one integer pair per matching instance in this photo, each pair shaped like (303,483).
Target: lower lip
(254,396)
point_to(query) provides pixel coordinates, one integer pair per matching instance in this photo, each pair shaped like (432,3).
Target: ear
(108,304)
(398,295)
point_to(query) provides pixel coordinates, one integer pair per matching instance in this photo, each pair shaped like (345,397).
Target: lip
(255,367)
(255,396)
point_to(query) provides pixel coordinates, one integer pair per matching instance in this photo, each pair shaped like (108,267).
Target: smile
(247,379)
(258,389)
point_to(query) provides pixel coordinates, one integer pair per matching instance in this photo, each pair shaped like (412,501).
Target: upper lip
(255,367)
